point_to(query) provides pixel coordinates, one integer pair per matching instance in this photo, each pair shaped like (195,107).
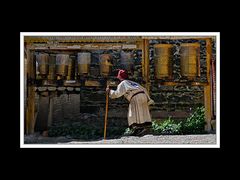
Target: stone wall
(176,101)
(176,59)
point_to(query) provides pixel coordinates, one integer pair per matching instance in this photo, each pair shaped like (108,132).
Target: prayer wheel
(70,69)
(52,67)
(43,63)
(84,60)
(62,61)
(105,64)
(190,60)
(126,61)
(163,60)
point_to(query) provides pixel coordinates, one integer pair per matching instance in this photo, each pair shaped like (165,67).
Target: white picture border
(195,34)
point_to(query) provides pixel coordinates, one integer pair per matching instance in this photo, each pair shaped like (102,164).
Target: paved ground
(147,139)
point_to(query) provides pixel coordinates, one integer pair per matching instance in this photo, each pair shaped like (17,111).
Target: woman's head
(122,75)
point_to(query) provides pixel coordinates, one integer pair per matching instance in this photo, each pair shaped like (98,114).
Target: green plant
(127,131)
(192,125)
(195,123)
(166,127)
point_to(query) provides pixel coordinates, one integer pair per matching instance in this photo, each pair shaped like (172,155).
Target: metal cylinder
(43,63)
(52,67)
(163,60)
(126,61)
(190,54)
(84,60)
(62,61)
(105,64)
(70,69)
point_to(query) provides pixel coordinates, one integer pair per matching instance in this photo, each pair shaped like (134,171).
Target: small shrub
(167,127)
(195,123)
(192,125)
(127,131)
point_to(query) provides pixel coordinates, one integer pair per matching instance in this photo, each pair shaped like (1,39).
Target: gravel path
(147,139)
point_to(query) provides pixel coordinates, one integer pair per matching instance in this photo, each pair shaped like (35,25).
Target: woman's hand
(107,89)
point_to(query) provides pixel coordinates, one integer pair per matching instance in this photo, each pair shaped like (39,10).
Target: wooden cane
(106,114)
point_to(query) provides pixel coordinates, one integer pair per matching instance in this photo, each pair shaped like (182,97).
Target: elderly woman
(139,119)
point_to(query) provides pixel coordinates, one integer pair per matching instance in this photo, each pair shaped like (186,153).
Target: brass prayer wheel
(43,63)
(126,61)
(163,60)
(62,61)
(105,64)
(84,60)
(70,69)
(52,67)
(190,60)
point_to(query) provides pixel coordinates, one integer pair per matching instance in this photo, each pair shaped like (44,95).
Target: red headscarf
(122,74)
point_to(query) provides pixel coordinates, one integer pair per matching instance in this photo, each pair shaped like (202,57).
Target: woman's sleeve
(121,90)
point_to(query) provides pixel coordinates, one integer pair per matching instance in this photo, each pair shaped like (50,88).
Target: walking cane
(106,114)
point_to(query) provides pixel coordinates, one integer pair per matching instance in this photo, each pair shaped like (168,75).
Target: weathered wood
(198,63)
(183,83)
(92,83)
(139,44)
(76,39)
(178,37)
(207,89)
(143,60)
(213,86)
(87,46)
(207,105)
(30,117)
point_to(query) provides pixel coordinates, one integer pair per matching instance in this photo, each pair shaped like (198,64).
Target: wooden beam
(81,38)
(92,83)
(207,89)
(93,47)
(143,60)
(171,83)
(178,37)
(30,117)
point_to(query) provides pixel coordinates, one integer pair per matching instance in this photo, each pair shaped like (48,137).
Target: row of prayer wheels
(63,65)
(189,60)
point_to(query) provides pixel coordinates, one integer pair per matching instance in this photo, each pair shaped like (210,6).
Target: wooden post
(207,88)
(143,59)
(145,63)
(30,116)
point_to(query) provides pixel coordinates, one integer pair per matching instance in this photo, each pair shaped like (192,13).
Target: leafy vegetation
(195,123)
(192,125)
(166,127)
